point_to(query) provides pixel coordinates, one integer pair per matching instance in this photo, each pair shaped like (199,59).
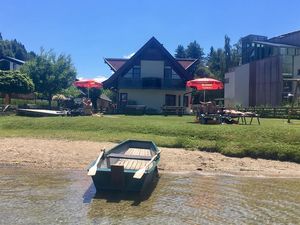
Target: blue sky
(90,30)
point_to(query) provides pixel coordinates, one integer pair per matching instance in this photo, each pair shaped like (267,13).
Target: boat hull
(103,180)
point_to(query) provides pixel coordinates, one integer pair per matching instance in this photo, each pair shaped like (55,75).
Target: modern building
(152,77)
(265,76)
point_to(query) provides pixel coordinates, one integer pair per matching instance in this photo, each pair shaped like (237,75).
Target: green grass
(273,139)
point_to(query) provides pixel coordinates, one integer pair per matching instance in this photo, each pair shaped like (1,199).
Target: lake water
(34,196)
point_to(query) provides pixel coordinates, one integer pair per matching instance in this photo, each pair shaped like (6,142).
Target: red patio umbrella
(205,84)
(88,83)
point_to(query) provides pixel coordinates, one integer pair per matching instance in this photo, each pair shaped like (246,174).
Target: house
(152,77)
(10,63)
(266,75)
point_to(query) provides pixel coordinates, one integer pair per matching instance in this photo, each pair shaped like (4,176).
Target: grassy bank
(273,139)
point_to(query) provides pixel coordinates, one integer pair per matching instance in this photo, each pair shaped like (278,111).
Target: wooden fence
(278,112)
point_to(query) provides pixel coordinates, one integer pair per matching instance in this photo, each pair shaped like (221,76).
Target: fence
(278,112)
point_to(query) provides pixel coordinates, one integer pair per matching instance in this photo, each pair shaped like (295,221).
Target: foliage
(13,81)
(193,50)
(171,131)
(221,60)
(227,53)
(180,52)
(15,49)
(216,62)
(50,73)
(70,92)
(94,95)
(110,94)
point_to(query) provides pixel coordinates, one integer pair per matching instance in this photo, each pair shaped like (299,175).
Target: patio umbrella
(88,83)
(205,84)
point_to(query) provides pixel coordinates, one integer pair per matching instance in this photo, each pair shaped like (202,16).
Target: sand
(64,154)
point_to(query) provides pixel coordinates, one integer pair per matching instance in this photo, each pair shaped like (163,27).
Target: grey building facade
(266,70)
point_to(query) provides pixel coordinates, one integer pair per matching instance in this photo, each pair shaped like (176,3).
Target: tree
(15,82)
(227,53)
(180,52)
(70,92)
(50,74)
(15,49)
(236,55)
(216,62)
(194,51)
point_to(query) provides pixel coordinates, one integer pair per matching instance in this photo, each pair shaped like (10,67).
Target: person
(87,106)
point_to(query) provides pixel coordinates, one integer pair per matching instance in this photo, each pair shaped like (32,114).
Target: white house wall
(151,98)
(237,89)
(152,68)
(229,90)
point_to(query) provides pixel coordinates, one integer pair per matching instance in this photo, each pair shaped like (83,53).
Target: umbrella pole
(88,93)
(204,95)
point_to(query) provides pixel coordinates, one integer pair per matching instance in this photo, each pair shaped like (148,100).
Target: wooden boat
(130,166)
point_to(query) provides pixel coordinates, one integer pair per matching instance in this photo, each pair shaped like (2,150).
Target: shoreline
(66,154)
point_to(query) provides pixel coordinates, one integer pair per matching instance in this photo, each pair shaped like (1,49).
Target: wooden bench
(173,110)
(123,156)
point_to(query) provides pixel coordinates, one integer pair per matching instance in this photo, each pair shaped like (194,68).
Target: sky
(90,30)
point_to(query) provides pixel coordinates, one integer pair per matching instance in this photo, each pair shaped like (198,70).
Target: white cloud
(128,56)
(100,78)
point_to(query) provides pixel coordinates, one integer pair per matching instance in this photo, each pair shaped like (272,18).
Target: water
(34,196)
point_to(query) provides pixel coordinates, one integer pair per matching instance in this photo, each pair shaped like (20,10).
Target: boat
(130,166)
(40,112)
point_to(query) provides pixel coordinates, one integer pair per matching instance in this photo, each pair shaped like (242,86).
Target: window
(291,51)
(168,73)
(179,100)
(136,72)
(283,51)
(170,100)
(186,101)
(298,73)
(287,65)
(123,97)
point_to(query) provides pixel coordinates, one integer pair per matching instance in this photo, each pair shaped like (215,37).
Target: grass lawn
(273,139)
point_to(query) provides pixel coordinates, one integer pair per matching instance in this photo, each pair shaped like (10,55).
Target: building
(152,77)
(9,63)
(264,78)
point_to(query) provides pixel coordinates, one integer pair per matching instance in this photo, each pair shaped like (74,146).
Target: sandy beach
(64,154)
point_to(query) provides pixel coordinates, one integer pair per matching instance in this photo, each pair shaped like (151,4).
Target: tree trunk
(7,99)
(49,101)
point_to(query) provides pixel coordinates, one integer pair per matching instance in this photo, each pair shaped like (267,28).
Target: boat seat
(123,156)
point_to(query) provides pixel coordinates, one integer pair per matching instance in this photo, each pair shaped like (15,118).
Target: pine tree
(180,52)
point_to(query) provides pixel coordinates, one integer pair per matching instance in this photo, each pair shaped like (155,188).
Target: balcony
(151,83)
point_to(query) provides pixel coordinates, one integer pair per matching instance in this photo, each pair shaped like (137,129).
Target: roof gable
(116,63)
(11,59)
(153,43)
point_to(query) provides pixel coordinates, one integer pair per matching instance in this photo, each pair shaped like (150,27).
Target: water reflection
(68,197)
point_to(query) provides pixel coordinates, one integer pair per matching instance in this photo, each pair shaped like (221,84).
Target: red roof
(117,63)
(186,63)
